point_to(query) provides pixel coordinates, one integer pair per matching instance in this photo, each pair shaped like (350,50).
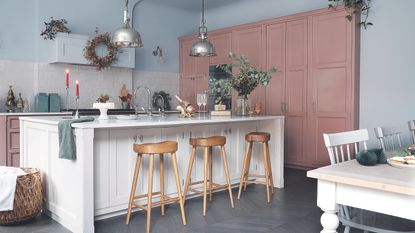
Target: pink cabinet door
(275,52)
(295,104)
(3,140)
(222,43)
(191,66)
(249,42)
(187,63)
(330,81)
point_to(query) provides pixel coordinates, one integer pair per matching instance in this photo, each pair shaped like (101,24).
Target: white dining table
(381,188)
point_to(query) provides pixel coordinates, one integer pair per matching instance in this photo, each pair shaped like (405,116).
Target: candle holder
(77,110)
(67,99)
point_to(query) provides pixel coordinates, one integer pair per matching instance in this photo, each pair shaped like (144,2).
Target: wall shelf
(68,49)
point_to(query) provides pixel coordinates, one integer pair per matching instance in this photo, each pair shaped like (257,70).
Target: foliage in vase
(248,77)
(353,7)
(221,89)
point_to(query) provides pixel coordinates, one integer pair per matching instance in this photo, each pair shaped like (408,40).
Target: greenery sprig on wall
(353,7)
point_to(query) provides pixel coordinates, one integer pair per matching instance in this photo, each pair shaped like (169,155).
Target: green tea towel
(67,147)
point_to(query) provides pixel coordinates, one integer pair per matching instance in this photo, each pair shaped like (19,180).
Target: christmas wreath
(91,55)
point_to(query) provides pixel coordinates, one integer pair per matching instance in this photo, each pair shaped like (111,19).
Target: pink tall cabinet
(316,85)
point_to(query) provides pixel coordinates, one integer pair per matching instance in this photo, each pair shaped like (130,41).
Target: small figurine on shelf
(125,97)
(20,103)
(10,102)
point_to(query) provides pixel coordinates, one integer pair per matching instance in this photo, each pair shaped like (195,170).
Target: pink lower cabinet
(3,140)
(9,141)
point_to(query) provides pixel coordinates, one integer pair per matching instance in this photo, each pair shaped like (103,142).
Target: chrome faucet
(149,109)
(162,102)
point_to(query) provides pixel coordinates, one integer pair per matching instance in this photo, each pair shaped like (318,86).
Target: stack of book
(220,110)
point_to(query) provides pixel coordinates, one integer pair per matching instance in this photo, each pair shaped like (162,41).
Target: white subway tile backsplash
(30,78)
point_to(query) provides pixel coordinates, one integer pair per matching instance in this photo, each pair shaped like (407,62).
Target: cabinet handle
(230,130)
(286,107)
(182,135)
(135,138)
(141,138)
(226,131)
(314,106)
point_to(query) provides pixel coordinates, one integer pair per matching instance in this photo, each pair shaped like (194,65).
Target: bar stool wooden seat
(208,144)
(263,138)
(155,149)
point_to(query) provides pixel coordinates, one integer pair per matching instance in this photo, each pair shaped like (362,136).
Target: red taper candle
(67,78)
(77,88)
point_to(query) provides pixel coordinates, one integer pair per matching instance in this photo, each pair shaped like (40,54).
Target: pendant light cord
(202,22)
(132,11)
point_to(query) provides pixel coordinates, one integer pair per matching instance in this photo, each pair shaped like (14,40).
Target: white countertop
(33,113)
(146,121)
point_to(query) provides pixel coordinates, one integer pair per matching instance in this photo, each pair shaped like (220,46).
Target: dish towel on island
(8,178)
(67,147)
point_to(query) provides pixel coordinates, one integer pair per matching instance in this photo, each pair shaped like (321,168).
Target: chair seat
(257,137)
(208,142)
(156,148)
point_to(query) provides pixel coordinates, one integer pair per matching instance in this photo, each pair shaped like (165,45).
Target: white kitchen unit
(97,184)
(69,48)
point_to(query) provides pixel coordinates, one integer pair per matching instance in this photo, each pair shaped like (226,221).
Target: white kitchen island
(97,184)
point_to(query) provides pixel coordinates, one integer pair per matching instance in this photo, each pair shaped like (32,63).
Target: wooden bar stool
(262,138)
(154,149)
(208,144)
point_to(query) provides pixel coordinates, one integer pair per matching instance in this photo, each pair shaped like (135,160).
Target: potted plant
(246,80)
(221,91)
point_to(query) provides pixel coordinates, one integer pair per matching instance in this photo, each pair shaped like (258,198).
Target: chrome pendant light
(126,36)
(202,47)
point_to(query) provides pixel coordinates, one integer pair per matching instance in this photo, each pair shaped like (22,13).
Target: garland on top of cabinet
(91,55)
(353,7)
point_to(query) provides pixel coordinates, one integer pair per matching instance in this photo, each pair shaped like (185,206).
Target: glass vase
(242,106)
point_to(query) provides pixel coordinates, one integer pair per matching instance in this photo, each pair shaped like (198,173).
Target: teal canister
(54,102)
(42,102)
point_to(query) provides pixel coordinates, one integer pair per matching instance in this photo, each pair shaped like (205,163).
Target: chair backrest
(389,138)
(336,141)
(411,125)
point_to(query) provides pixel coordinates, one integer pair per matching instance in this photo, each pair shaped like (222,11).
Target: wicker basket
(28,198)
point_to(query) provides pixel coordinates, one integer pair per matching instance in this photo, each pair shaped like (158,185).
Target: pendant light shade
(202,47)
(126,36)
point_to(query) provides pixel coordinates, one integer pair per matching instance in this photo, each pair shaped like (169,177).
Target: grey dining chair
(389,138)
(411,126)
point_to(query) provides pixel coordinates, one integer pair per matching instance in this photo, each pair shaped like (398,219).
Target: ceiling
(195,5)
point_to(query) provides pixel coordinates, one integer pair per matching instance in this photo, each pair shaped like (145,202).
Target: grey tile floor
(292,210)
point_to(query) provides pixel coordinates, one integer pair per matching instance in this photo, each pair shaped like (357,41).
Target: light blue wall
(161,25)
(17,29)
(21,22)
(387,77)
